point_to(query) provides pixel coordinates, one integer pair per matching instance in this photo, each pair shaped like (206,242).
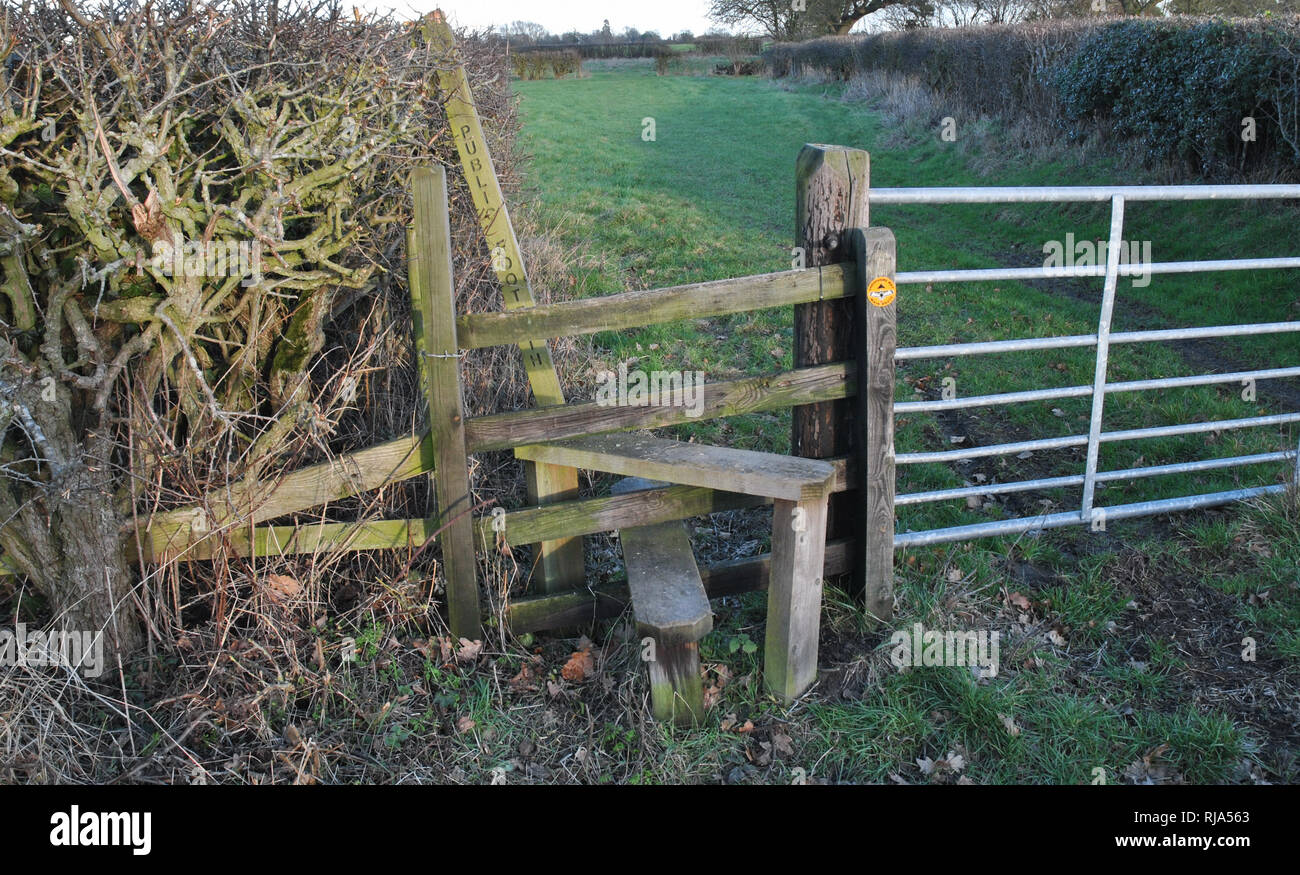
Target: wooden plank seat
(799,489)
(641,455)
(671,608)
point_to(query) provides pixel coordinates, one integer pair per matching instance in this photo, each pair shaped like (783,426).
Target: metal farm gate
(1089,513)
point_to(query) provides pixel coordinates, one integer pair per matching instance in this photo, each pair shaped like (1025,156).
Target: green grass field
(1110,640)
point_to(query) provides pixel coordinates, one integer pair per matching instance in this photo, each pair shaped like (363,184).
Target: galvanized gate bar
(1071,518)
(1102,477)
(1070,341)
(990,400)
(990,274)
(1083,391)
(1050,194)
(1106,437)
(1103,353)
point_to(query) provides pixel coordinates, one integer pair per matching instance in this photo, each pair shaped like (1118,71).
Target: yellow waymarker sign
(881,291)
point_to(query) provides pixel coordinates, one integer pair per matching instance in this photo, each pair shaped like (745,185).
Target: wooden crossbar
(654,306)
(726,398)
(638,455)
(172,534)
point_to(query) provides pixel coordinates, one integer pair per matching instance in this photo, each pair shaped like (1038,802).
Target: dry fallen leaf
(579,667)
(1009,724)
(281,586)
(468,650)
(1017,600)
(524,680)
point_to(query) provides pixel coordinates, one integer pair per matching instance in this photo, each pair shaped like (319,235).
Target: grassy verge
(1108,637)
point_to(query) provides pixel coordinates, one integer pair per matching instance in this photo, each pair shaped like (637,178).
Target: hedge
(1181,86)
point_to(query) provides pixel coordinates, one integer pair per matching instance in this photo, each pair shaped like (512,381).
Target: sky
(664,16)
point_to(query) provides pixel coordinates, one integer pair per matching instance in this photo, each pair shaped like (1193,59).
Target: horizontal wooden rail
(166,534)
(502,431)
(653,306)
(601,603)
(530,525)
(172,534)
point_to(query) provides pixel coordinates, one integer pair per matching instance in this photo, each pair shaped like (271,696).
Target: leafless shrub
(289,126)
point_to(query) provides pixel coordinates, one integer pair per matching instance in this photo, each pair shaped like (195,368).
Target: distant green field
(712,196)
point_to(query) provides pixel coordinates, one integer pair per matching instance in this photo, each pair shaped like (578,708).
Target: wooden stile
(800,489)
(433,304)
(556,436)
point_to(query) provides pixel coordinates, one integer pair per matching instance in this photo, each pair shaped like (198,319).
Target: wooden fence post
(832,184)
(560,562)
(433,310)
(875,340)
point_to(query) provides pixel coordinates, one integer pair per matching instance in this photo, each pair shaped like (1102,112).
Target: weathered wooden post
(560,562)
(433,308)
(831,200)
(875,339)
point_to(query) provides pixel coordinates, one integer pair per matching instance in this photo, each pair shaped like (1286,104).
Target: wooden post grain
(875,342)
(794,596)
(830,201)
(433,306)
(560,564)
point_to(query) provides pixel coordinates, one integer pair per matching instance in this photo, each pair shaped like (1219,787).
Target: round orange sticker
(882,291)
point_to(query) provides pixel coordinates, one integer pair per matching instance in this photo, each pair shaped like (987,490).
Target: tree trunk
(62,531)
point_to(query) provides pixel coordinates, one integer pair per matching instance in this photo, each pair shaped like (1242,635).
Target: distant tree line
(528,37)
(795,20)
